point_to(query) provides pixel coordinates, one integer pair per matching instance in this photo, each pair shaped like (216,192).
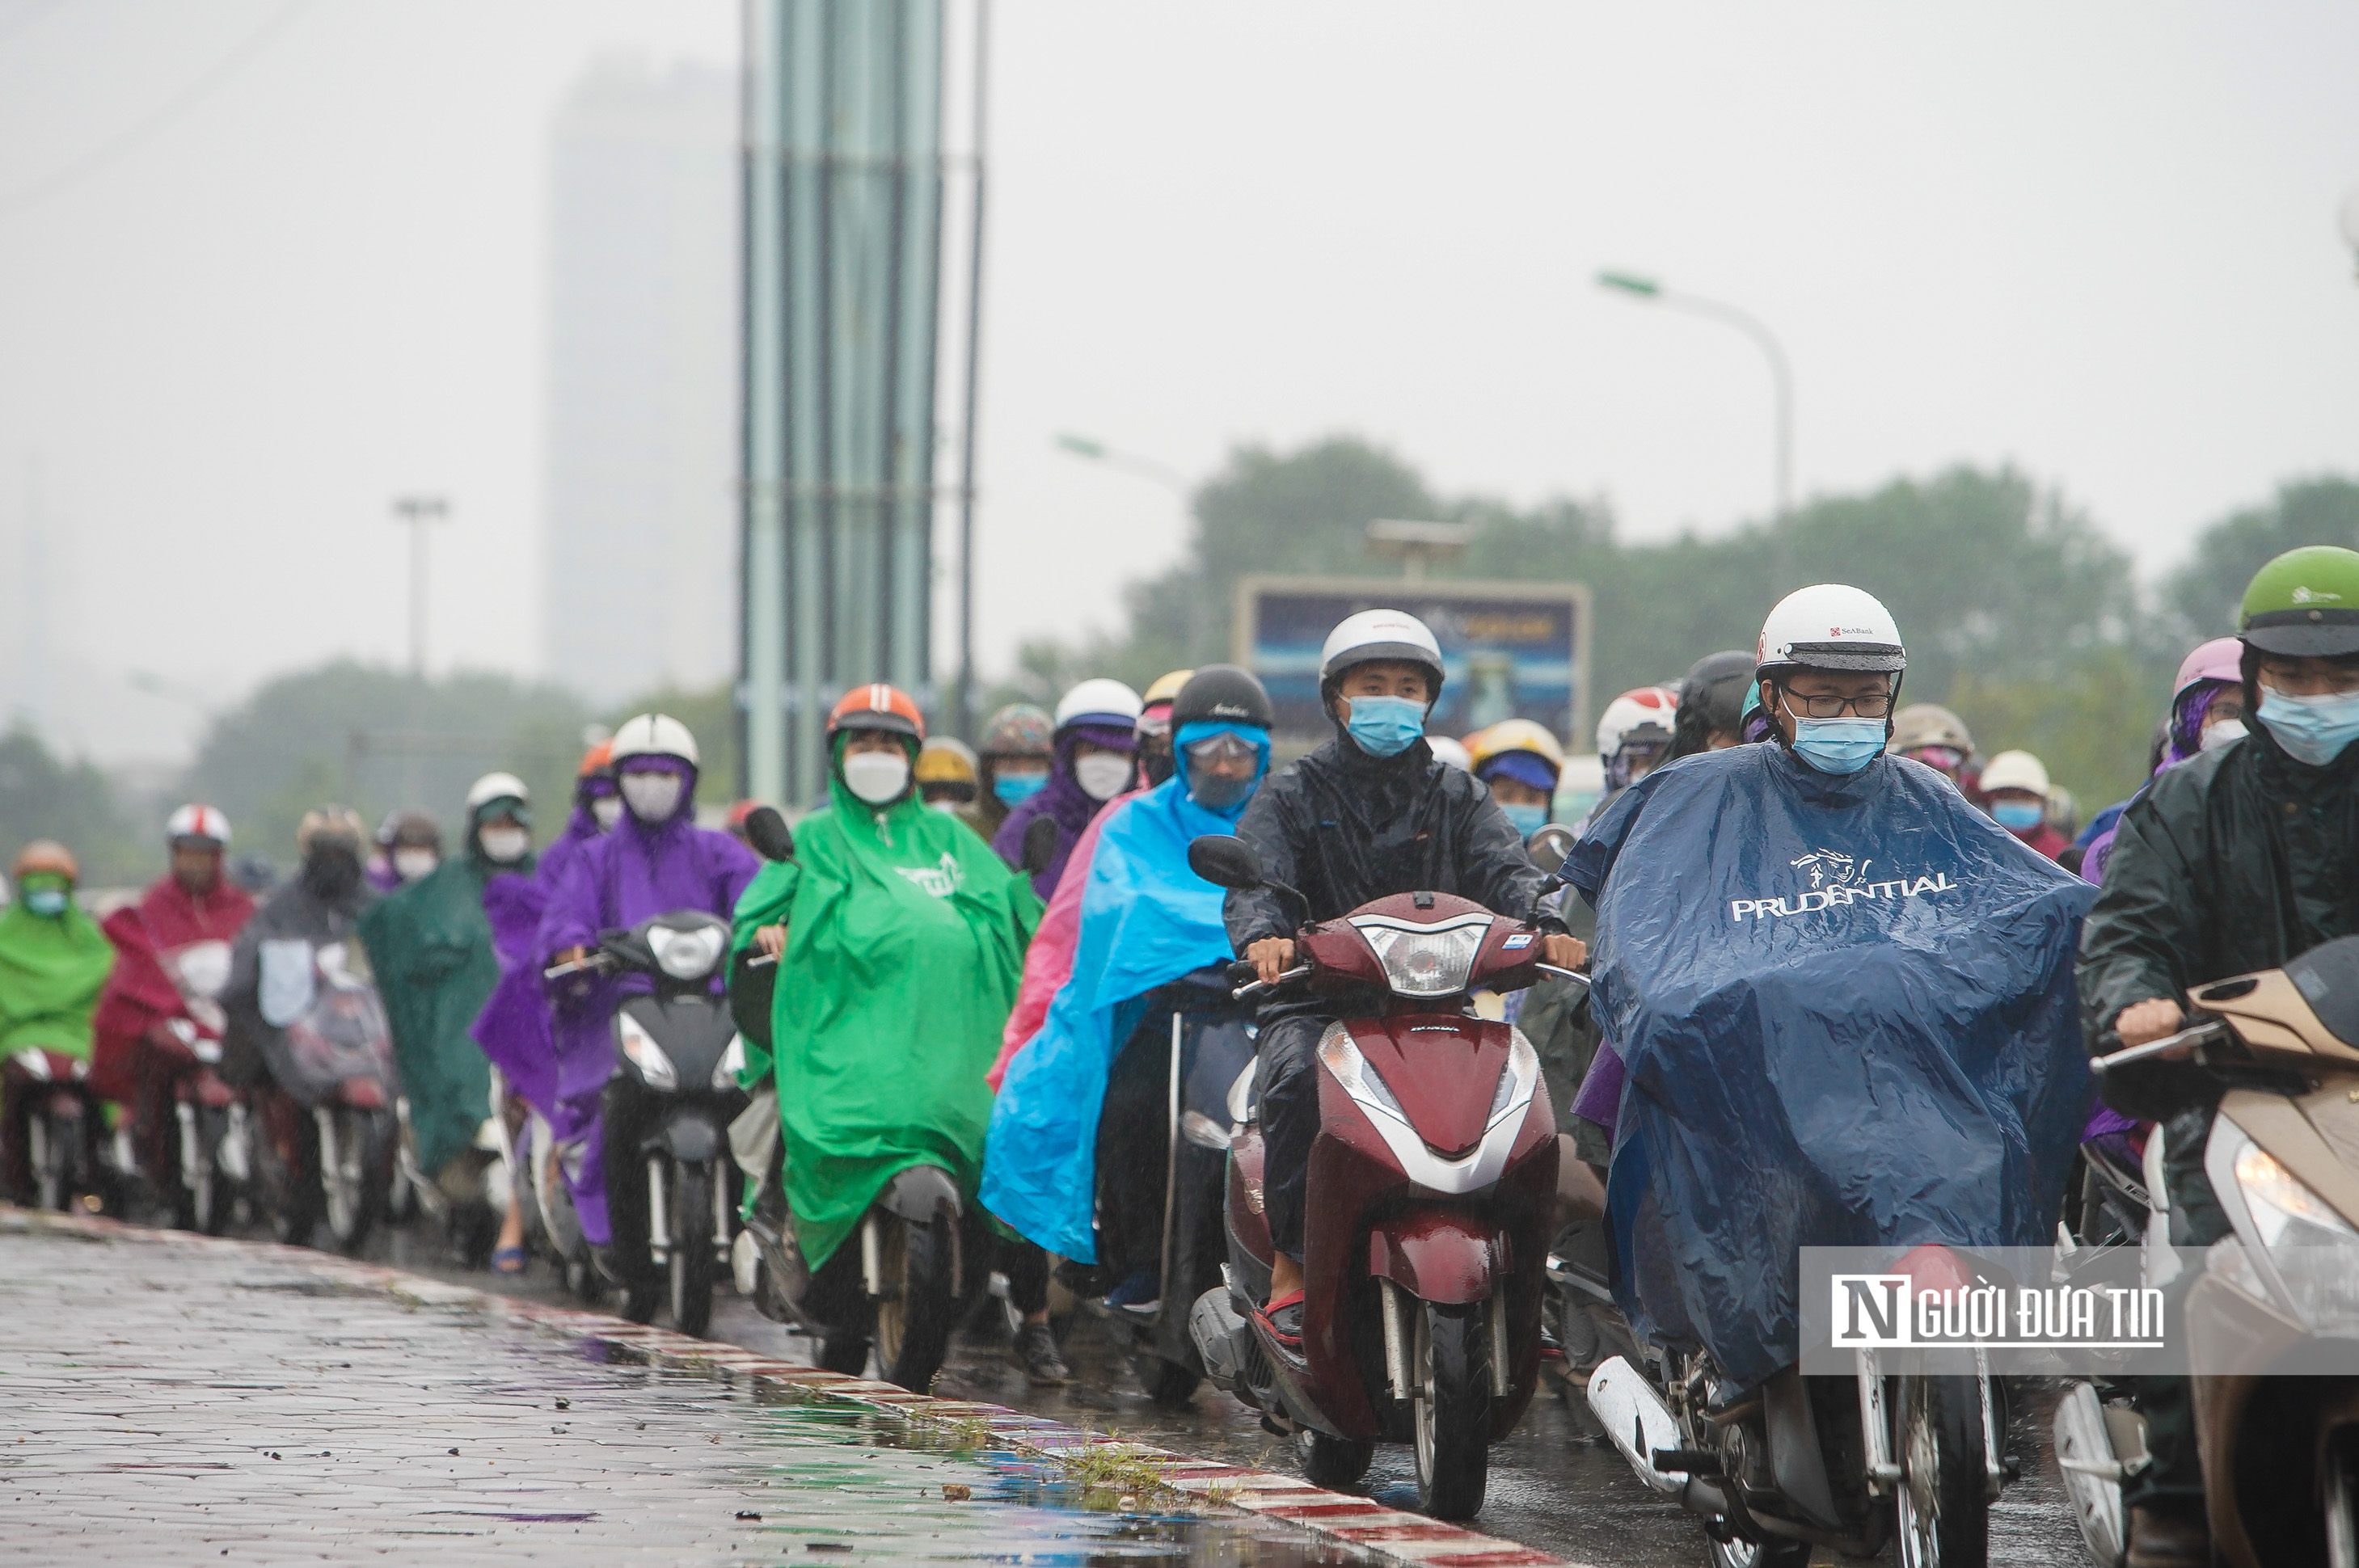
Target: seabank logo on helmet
(2314,595)
(1837,881)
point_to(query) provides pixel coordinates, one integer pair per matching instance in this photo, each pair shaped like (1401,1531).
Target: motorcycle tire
(640,1300)
(49,1148)
(205,1208)
(2339,1495)
(289,1190)
(693,1268)
(1452,1416)
(1171,1385)
(582,1280)
(915,1318)
(1337,1464)
(353,1194)
(1942,1507)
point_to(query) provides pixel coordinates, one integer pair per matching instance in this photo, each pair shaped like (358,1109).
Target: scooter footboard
(1438,1254)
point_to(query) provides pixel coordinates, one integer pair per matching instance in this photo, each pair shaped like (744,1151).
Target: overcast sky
(2095,240)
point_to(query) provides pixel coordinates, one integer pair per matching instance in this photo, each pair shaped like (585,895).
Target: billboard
(1508,650)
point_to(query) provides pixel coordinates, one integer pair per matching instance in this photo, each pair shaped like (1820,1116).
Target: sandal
(509,1260)
(1283,1318)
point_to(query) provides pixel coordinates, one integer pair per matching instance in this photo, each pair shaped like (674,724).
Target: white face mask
(608,810)
(1103,775)
(652,797)
(876,777)
(413,863)
(950,806)
(2218,735)
(504,844)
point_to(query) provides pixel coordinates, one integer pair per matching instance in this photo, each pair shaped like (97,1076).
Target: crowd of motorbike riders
(962,992)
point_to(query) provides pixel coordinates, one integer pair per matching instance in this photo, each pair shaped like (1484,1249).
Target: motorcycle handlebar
(2207,1032)
(1296,973)
(597,963)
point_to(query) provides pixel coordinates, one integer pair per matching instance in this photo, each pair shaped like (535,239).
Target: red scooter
(1431,1192)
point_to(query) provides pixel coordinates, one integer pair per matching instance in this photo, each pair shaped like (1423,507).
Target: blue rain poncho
(1847,1011)
(1146,920)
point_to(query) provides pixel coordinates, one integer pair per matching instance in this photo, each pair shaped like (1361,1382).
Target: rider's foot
(2167,1536)
(1140,1289)
(1035,1350)
(1283,1318)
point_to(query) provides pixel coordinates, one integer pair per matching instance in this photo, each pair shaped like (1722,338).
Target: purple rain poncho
(1063,800)
(514,1027)
(2186,743)
(617,881)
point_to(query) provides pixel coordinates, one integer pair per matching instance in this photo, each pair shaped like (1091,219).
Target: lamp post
(417,513)
(1781,375)
(1161,473)
(2349,223)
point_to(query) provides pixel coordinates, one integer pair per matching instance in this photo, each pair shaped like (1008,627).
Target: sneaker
(1142,1289)
(1035,1350)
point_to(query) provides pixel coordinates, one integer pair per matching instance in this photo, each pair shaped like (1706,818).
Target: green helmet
(2304,602)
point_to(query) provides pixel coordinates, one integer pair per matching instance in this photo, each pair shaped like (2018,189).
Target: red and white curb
(1369,1528)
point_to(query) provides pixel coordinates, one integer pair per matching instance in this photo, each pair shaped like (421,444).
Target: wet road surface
(172,1404)
(1555,1484)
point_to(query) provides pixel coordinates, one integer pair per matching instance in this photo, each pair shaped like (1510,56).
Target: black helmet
(1222,693)
(1710,698)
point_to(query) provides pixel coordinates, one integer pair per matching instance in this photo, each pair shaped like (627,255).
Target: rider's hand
(1271,956)
(771,939)
(1564,952)
(572,955)
(2143,1023)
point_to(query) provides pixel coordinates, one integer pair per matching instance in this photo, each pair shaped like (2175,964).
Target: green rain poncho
(51,971)
(430,948)
(905,942)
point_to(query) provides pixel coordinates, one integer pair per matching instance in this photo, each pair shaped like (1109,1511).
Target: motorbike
(1175,1101)
(1432,1183)
(919,1260)
(2278,1297)
(327,1121)
(201,1194)
(57,1125)
(665,1112)
(467,1196)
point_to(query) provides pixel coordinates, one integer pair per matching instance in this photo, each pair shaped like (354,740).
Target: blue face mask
(2019,816)
(1016,788)
(48,902)
(1838,745)
(2312,730)
(1529,819)
(1385,726)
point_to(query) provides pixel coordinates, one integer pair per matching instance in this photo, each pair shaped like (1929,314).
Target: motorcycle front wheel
(915,1315)
(353,1182)
(1171,1384)
(1453,1366)
(1943,1509)
(1337,1464)
(692,1269)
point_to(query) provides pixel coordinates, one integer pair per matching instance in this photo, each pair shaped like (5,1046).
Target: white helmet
(1831,626)
(196,821)
(497,786)
(1099,701)
(1642,714)
(1374,634)
(1454,753)
(2014,770)
(653,735)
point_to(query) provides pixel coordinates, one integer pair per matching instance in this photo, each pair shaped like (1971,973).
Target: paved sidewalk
(181,1401)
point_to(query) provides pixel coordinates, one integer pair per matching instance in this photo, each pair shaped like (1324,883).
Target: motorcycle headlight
(645,1055)
(2312,1250)
(689,955)
(1425,960)
(732,1064)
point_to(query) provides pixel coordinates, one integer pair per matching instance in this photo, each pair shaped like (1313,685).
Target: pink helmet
(2222,658)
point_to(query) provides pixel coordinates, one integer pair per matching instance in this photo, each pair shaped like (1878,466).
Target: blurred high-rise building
(641,430)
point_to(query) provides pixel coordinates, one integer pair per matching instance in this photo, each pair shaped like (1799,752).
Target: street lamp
(417,513)
(2350,222)
(1781,375)
(1161,473)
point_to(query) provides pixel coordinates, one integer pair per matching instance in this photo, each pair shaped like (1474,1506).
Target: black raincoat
(2235,860)
(1344,828)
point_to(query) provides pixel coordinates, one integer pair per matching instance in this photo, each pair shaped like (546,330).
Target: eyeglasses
(1876,706)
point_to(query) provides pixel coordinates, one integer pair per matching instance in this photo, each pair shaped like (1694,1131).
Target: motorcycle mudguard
(1450,1256)
(690,1138)
(920,1193)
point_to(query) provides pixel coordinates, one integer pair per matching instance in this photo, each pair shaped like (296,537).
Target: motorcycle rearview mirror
(767,831)
(1226,861)
(1039,845)
(1548,845)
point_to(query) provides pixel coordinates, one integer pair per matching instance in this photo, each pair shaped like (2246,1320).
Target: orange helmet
(877,706)
(597,760)
(47,855)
